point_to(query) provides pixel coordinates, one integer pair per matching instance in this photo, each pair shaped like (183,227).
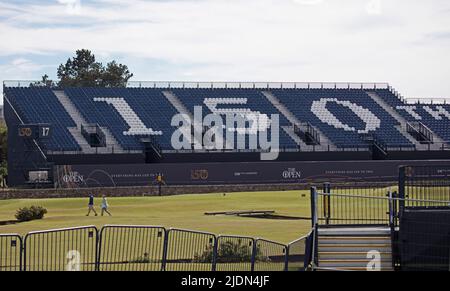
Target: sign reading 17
(45,131)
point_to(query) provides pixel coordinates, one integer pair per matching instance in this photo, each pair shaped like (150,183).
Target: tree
(84,71)
(44,82)
(116,75)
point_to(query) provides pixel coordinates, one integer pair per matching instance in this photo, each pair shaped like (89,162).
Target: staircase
(179,106)
(402,127)
(290,131)
(355,249)
(112,145)
(325,142)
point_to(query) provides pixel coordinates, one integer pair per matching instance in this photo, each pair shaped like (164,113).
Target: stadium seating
(39,105)
(333,112)
(438,123)
(345,116)
(148,105)
(234,101)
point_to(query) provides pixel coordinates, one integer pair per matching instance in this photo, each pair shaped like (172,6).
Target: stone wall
(165,190)
(142,191)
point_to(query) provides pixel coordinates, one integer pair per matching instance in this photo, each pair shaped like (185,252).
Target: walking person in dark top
(91,205)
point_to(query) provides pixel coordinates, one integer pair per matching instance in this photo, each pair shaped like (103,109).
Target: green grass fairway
(186,211)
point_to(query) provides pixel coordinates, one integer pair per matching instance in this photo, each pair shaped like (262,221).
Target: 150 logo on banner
(199,174)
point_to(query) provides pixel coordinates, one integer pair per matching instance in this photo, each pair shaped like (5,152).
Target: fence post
(253,259)
(24,267)
(21,254)
(286,259)
(215,254)
(327,202)
(391,210)
(315,224)
(313,206)
(166,243)
(392,213)
(98,248)
(401,190)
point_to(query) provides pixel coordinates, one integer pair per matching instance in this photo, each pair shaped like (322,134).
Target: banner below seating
(75,176)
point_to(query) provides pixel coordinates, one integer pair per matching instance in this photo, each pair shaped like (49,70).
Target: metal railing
(146,248)
(347,205)
(69,249)
(421,185)
(131,248)
(298,254)
(427,101)
(422,200)
(235,253)
(188,250)
(225,85)
(373,207)
(271,256)
(10,252)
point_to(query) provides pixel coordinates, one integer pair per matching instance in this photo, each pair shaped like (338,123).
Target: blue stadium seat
(439,126)
(40,105)
(299,102)
(337,113)
(255,101)
(149,104)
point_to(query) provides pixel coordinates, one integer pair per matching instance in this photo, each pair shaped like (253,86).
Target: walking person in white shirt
(105,206)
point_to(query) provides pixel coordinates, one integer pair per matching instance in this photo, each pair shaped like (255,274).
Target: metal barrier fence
(347,205)
(131,248)
(419,184)
(270,256)
(236,253)
(10,252)
(145,248)
(190,250)
(71,249)
(297,254)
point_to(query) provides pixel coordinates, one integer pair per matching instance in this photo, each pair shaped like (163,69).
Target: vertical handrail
(315,224)
(313,206)
(327,202)
(392,215)
(401,190)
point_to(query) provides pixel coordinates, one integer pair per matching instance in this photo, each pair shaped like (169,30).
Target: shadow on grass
(9,222)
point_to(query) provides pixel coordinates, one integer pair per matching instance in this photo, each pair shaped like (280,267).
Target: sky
(402,42)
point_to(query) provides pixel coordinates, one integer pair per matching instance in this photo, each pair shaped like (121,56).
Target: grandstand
(118,126)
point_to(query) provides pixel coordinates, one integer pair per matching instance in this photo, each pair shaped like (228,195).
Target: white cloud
(20,68)
(374,7)
(73,7)
(308,2)
(267,40)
